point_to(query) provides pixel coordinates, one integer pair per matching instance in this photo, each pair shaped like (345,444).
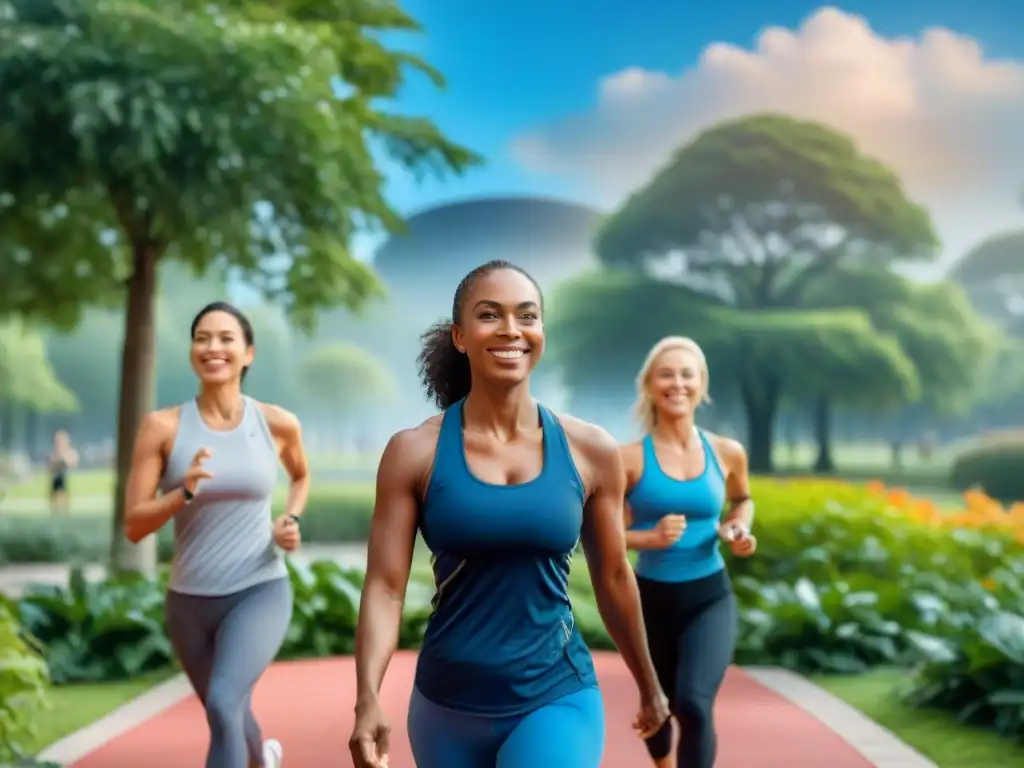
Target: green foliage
(345,379)
(249,124)
(26,376)
(23,684)
(109,630)
(992,273)
(115,629)
(992,464)
(747,196)
(983,681)
(334,515)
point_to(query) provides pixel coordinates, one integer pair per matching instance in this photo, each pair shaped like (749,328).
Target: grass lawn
(937,735)
(76,706)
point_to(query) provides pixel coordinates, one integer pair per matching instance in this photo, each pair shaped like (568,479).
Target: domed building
(551,239)
(992,274)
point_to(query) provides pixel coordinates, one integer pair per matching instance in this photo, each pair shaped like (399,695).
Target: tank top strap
(449,453)
(256,423)
(558,461)
(188,417)
(709,454)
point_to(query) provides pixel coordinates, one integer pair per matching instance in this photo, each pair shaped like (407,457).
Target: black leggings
(691,633)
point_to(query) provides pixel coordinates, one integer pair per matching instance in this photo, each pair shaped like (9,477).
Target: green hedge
(23,684)
(842,582)
(334,514)
(993,465)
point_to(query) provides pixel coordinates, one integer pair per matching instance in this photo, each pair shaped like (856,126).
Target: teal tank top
(696,554)
(502,639)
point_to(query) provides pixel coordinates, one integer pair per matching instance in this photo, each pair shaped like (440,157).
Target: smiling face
(500,328)
(219,348)
(676,383)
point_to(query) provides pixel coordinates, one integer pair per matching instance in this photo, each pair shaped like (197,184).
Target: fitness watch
(295,520)
(187,494)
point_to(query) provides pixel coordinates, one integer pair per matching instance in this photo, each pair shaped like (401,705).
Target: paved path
(763,716)
(14,578)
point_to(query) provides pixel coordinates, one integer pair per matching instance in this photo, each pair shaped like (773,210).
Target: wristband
(187,494)
(295,520)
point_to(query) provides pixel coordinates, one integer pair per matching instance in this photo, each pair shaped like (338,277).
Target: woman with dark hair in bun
(214,460)
(502,490)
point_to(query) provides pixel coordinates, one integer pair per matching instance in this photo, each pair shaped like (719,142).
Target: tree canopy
(345,379)
(739,227)
(26,376)
(241,133)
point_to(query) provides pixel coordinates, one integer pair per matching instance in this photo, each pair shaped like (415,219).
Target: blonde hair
(644,409)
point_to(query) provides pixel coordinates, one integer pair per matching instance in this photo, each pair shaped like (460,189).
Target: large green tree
(749,216)
(138,131)
(944,342)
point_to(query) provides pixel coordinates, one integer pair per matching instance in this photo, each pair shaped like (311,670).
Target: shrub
(982,680)
(992,465)
(334,514)
(23,684)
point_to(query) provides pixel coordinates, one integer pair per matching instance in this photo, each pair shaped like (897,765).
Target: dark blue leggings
(567,733)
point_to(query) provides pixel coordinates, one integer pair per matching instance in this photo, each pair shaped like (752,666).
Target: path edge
(132,713)
(880,746)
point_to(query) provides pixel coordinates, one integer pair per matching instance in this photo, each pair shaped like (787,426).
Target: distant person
(215,461)
(502,490)
(679,480)
(63,458)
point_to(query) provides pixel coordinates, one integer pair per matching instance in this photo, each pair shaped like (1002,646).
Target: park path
(14,578)
(308,706)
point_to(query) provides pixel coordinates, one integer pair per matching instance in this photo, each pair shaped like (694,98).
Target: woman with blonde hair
(678,481)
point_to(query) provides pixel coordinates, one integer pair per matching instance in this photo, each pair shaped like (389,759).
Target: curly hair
(444,370)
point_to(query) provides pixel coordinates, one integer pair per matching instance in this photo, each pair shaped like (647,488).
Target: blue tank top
(502,639)
(696,554)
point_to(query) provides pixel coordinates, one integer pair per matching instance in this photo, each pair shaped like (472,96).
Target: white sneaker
(273,753)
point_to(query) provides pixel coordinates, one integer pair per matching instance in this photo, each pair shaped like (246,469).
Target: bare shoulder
(159,429)
(592,440)
(731,452)
(281,421)
(632,453)
(162,422)
(413,449)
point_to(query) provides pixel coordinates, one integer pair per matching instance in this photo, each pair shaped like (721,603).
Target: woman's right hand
(669,529)
(196,471)
(369,743)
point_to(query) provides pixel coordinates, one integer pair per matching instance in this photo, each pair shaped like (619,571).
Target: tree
(749,216)
(28,383)
(945,343)
(348,382)
(992,274)
(199,132)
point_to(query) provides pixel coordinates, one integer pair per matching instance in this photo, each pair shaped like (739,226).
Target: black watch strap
(187,494)
(294,519)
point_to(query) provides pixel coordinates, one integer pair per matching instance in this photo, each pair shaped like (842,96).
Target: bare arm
(604,543)
(737,484)
(143,513)
(287,430)
(389,560)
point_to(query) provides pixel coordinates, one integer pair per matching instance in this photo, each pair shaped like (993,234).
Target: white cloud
(948,119)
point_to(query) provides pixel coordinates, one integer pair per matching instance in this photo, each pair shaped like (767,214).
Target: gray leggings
(224,645)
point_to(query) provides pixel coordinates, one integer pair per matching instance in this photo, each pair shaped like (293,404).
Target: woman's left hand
(287,534)
(741,542)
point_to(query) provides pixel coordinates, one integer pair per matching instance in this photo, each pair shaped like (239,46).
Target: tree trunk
(823,435)
(137,397)
(760,402)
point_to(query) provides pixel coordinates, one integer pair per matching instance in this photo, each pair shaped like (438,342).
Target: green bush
(23,684)
(334,514)
(993,465)
(116,629)
(981,679)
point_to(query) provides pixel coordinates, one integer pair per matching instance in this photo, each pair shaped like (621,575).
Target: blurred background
(828,200)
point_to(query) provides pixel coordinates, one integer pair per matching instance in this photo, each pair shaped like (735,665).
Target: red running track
(307,705)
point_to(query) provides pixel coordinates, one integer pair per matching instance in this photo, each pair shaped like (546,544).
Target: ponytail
(444,370)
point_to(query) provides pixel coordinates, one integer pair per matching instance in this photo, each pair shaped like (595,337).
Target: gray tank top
(223,539)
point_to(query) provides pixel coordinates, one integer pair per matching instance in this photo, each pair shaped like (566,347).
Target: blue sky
(515,66)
